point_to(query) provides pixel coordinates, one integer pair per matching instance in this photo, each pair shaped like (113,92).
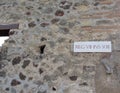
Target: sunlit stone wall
(37,58)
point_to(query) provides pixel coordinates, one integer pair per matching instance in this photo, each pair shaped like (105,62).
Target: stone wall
(37,58)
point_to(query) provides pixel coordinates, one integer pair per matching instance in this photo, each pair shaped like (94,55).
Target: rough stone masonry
(37,57)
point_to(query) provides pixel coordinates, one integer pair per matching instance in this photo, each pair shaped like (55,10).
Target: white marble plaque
(93,46)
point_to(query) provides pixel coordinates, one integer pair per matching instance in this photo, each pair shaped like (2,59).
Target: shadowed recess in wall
(4,31)
(42,49)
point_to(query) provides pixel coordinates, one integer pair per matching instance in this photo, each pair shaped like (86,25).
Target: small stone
(73,78)
(15,82)
(7,89)
(16,60)
(77,4)
(11,32)
(61,69)
(55,20)
(29,7)
(39,83)
(2,65)
(60,40)
(83,84)
(63,22)
(28,13)
(21,76)
(30,78)
(44,24)
(2,74)
(32,24)
(35,65)
(25,63)
(40,8)
(48,10)
(71,24)
(26,85)
(59,13)
(38,20)
(85,2)
(43,88)
(65,4)
(88,68)
(66,73)
(43,39)
(81,7)
(96,4)
(60,57)
(64,30)
(41,71)
(47,78)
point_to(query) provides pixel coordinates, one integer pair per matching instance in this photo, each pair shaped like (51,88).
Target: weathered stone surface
(43,39)
(82,6)
(32,24)
(63,22)
(89,68)
(41,92)
(65,4)
(16,60)
(4,51)
(83,84)
(44,24)
(21,91)
(13,90)
(11,41)
(41,71)
(38,83)
(55,20)
(25,63)
(73,78)
(3,63)
(59,13)
(104,22)
(15,82)
(42,47)
(107,73)
(7,89)
(64,30)
(48,10)
(22,76)
(11,32)
(102,83)
(2,74)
